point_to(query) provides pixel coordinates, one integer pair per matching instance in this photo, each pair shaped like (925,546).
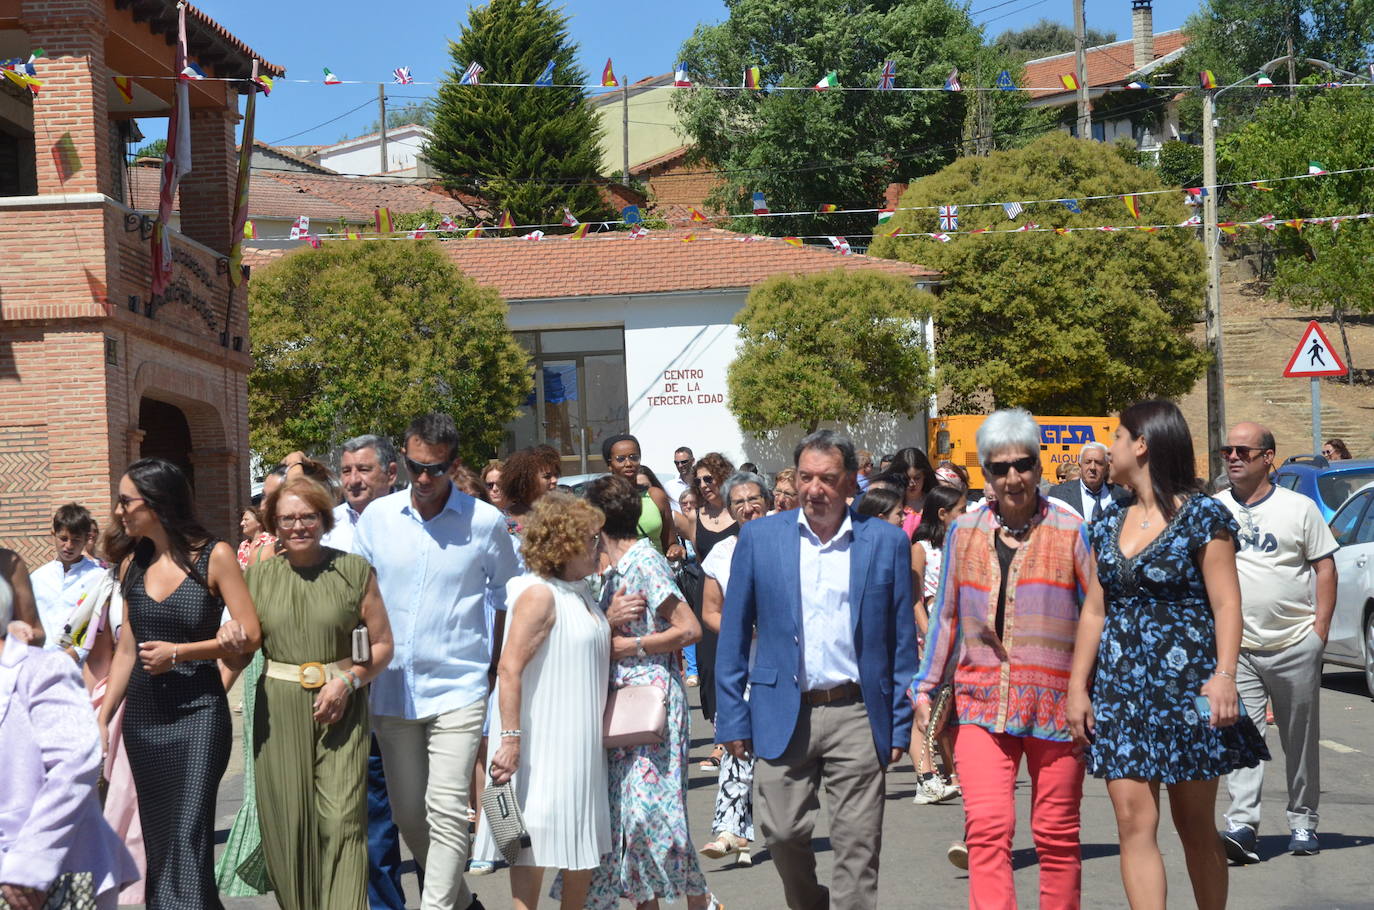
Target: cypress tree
(531,151)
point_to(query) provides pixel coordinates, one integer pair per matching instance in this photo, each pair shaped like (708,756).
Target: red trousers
(987,764)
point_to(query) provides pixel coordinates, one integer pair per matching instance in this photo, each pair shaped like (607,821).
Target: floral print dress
(1158,649)
(651,850)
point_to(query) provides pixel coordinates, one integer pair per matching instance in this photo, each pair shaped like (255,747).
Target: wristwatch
(639,647)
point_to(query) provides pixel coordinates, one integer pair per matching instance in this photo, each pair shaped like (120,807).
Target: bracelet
(351,679)
(1223,673)
(510,734)
(174,655)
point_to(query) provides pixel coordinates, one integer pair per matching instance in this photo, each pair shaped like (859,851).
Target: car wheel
(1369,652)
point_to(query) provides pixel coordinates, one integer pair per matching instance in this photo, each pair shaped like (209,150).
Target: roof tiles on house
(1108,65)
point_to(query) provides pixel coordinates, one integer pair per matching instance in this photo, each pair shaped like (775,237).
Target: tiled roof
(612,264)
(202,34)
(314,166)
(267,198)
(1108,65)
(362,195)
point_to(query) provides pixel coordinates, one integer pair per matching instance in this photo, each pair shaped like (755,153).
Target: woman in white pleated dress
(552,683)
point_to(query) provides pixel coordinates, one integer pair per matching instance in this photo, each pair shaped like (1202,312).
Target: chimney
(1142,32)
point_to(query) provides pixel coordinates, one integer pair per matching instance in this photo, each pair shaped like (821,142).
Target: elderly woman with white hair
(1002,633)
(747,497)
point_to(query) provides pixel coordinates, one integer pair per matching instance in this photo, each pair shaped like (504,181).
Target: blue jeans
(689,655)
(383,841)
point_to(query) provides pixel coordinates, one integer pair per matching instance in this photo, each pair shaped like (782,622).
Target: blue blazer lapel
(860,555)
(789,576)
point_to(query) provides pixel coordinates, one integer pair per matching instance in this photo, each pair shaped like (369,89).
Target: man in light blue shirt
(439,555)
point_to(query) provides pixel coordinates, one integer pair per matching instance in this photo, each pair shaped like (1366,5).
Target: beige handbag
(635,716)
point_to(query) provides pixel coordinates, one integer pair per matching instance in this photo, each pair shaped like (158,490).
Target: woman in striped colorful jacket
(1002,633)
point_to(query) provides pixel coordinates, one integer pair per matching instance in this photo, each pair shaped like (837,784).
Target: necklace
(1017,533)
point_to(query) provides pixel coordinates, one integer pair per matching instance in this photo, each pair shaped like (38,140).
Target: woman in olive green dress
(311,728)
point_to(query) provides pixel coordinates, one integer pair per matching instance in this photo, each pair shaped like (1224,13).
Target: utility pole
(1292,75)
(1080,41)
(625,126)
(381,109)
(1216,396)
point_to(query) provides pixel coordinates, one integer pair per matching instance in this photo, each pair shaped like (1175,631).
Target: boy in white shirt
(59,585)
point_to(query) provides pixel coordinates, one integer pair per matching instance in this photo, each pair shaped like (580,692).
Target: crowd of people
(402,649)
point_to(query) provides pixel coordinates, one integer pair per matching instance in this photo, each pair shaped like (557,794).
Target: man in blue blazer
(828,593)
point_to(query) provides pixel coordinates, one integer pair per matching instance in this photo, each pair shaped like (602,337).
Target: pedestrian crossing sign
(1314,356)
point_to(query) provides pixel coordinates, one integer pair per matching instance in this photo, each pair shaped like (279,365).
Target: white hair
(1106,452)
(1009,428)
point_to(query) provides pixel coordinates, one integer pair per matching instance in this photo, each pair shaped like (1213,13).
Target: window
(1335,488)
(1343,526)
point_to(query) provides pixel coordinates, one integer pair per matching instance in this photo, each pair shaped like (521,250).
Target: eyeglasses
(1244,453)
(643,487)
(704,480)
(783,491)
(308,520)
(123,502)
(625,459)
(438,469)
(685,463)
(1327,453)
(1020,466)
(493,484)
(746,501)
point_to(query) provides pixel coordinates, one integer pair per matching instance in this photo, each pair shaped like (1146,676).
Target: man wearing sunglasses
(1284,546)
(439,555)
(684,461)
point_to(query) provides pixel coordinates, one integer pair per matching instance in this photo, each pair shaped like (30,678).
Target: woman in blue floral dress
(1161,623)
(651,856)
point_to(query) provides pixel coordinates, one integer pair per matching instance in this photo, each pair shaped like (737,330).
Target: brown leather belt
(842,692)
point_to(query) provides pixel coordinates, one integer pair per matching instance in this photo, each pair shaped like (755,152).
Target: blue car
(1327,483)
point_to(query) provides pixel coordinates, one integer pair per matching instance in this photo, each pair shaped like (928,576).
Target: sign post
(1315,358)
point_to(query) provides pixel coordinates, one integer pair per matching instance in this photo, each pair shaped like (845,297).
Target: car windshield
(1337,487)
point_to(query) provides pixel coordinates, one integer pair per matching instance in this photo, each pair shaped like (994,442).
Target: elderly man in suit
(1089,494)
(828,592)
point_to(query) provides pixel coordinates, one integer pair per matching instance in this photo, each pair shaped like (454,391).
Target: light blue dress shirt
(436,577)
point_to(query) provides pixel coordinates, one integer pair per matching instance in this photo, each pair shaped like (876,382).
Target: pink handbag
(635,716)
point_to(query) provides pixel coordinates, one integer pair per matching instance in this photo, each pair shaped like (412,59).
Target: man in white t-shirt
(58,586)
(1288,593)
(683,461)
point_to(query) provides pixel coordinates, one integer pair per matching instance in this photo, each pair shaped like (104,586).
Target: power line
(326,123)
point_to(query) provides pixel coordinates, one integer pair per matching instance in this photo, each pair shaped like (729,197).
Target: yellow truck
(952,438)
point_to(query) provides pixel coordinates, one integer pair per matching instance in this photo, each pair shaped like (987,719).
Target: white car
(1351,641)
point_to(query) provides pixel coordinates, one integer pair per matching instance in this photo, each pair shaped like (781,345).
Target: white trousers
(428,764)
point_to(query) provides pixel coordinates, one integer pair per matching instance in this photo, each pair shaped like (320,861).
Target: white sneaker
(933,789)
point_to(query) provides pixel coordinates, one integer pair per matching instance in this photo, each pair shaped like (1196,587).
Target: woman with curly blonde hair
(551,692)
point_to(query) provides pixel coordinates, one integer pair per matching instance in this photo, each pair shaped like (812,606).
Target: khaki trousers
(832,745)
(428,764)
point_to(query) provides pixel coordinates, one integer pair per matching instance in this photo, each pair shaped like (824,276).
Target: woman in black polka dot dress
(177,580)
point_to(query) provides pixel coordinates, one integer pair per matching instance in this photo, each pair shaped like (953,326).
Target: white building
(363,156)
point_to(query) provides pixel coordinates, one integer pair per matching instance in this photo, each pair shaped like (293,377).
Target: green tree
(360,337)
(421,112)
(803,148)
(529,151)
(1319,269)
(155,149)
(838,346)
(1082,323)
(1046,38)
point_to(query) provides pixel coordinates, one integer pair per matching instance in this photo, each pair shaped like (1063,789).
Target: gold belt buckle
(312,675)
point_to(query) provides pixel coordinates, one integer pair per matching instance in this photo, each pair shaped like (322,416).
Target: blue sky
(366,41)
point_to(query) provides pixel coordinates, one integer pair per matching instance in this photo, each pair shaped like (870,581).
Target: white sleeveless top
(931,581)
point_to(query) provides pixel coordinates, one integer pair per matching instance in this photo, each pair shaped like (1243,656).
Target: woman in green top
(311,728)
(622,455)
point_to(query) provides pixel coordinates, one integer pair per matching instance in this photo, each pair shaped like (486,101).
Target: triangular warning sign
(1314,356)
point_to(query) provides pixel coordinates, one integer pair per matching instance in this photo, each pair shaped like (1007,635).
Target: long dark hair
(912,457)
(167,493)
(932,528)
(1173,472)
(653,478)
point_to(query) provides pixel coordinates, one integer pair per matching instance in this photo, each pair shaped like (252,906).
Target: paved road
(915,872)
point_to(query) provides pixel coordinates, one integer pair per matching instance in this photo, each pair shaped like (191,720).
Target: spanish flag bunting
(1260,185)
(579,232)
(689,238)
(1146,228)
(126,88)
(1069,81)
(1206,79)
(24,80)
(608,74)
(794,241)
(250,231)
(979,231)
(1294,223)
(352,235)
(382,219)
(506,220)
(893,232)
(751,77)
(1132,204)
(330,78)
(695,214)
(264,82)
(475,232)
(1228,227)
(828,207)
(64,155)
(1061,230)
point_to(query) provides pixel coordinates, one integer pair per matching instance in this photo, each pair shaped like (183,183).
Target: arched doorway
(166,434)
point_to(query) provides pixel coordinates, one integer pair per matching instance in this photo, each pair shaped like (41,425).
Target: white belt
(312,675)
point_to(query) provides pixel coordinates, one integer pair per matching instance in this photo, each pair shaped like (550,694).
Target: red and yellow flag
(695,214)
(506,220)
(751,77)
(382,218)
(828,207)
(1206,79)
(250,231)
(795,241)
(608,74)
(580,231)
(1069,81)
(126,88)
(1132,204)
(690,238)
(475,232)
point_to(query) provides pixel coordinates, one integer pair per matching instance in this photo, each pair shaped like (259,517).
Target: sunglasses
(1020,466)
(625,459)
(1244,453)
(438,469)
(704,480)
(685,463)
